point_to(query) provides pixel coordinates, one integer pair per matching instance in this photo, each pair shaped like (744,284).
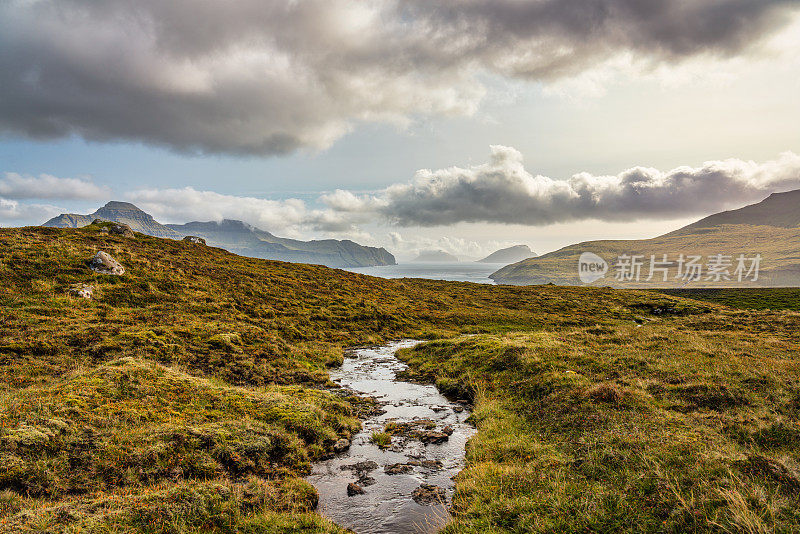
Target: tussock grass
(674,426)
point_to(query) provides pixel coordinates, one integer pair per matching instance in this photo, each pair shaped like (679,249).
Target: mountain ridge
(235,236)
(770,228)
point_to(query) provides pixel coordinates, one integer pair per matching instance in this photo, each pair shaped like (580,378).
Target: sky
(461,125)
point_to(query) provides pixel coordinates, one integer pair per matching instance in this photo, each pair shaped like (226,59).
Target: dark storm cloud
(269,77)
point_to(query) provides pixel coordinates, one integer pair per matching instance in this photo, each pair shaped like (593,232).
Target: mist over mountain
(435,256)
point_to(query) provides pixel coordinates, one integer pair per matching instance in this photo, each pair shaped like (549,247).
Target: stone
(458,409)
(448,430)
(83,291)
(428,464)
(354,489)
(428,494)
(103,263)
(193,239)
(115,229)
(398,469)
(341,446)
(432,436)
(366,481)
(361,467)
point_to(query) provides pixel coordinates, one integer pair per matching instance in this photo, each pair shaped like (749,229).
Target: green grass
(674,426)
(189,396)
(776,298)
(381,439)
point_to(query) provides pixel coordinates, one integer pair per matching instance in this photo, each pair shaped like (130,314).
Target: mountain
(435,256)
(509,255)
(770,228)
(121,212)
(246,240)
(237,237)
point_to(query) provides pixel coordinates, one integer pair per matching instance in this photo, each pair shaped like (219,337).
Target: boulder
(193,239)
(428,494)
(114,228)
(103,263)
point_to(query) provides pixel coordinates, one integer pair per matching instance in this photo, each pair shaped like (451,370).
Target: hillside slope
(770,228)
(185,395)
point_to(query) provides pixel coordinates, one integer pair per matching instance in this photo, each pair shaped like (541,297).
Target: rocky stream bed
(404,485)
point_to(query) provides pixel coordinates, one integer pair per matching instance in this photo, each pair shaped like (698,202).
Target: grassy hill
(187,395)
(770,228)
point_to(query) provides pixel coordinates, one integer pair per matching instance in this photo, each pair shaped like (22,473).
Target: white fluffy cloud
(45,186)
(504,191)
(285,217)
(272,76)
(501,191)
(12,211)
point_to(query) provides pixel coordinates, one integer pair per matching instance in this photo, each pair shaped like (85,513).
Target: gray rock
(194,240)
(428,494)
(83,291)
(104,264)
(115,229)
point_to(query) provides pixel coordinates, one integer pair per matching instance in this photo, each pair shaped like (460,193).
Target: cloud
(11,210)
(270,76)
(503,191)
(285,217)
(411,246)
(45,186)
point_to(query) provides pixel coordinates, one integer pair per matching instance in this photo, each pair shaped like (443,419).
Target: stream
(407,487)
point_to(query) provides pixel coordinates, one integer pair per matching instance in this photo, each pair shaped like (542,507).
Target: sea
(460,272)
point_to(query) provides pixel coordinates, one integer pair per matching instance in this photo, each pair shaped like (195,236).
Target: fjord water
(455,272)
(387,505)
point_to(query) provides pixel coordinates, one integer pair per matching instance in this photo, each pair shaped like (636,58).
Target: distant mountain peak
(119,205)
(116,211)
(509,255)
(781,210)
(235,236)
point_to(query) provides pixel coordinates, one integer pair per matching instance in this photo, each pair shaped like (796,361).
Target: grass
(381,439)
(674,426)
(775,298)
(189,396)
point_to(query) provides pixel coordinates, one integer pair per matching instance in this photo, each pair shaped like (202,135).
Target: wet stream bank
(407,485)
